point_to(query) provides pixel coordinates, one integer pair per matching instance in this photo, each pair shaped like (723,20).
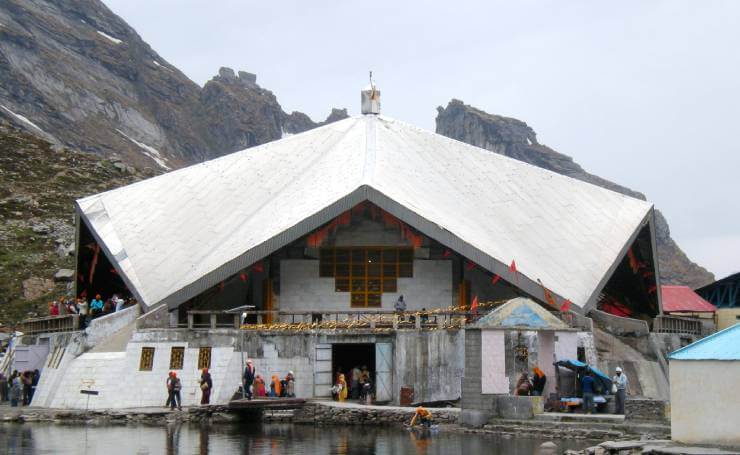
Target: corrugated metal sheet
(175,235)
(682,299)
(723,345)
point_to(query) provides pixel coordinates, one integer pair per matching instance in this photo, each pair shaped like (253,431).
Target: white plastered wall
(493,362)
(704,404)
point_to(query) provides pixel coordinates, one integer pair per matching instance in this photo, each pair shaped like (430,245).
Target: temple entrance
(347,356)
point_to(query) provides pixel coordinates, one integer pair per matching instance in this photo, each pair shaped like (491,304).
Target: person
(538,382)
(354,383)
(400,307)
(259,386)
(54,311)
(4,388)
(119,302)
(422,417)
(35,377)
(523,386)
(290,385)
(424,316)
(275,386)
(16,389)
(82,306)
(176,387)
(621,382)
(365,383)
(71,307)
(108,307)
(96,306)
(248,379)
(587,387)
(26,379)
(342,383)
(206,384)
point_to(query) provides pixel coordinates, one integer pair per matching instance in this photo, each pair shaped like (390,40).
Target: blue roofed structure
(723,345)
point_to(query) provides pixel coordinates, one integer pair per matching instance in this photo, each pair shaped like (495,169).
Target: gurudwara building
(294,253)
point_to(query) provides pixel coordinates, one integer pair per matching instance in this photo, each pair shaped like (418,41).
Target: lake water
(251,438)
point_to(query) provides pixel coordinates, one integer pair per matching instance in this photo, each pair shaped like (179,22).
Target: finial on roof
(370,98)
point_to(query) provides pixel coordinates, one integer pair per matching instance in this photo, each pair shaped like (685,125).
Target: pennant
(243,276)
(447,254)
(474,305)
(469,265)
(258,267)
(548,295)
(565,306)
(495,279)
(512,267)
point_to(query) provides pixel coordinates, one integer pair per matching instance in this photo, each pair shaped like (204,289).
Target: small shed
(509,340)
(705,378)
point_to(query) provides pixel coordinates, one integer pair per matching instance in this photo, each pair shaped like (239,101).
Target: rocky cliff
(514,138)
(76,74)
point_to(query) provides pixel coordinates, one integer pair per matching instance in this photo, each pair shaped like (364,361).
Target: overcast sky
(644,93)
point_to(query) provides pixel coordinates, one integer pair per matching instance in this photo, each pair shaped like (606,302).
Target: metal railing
(50,324)
(364,319)
(674,324)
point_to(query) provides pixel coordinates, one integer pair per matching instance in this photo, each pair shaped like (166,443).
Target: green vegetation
(38,186)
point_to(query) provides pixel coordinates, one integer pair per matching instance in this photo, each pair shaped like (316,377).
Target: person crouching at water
(275,387)
(422,417)
(206,384)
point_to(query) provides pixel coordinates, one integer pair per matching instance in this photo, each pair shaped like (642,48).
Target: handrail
(50,324)
(674,324)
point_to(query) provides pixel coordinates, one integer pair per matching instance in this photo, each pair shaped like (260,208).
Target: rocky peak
(514,138)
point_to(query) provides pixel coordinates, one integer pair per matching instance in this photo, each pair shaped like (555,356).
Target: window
(366,273)
(147,359)
(177,355)
(204,358)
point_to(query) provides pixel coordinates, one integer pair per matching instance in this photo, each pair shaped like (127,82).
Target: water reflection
(250,438)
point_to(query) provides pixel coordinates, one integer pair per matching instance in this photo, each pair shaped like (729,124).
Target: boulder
(64,275)
(36,287)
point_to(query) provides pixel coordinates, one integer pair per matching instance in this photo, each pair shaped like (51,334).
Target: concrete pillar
(213,320)
(191,320)
(237,320)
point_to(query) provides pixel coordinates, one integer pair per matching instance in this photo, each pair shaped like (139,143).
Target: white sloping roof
(175,235)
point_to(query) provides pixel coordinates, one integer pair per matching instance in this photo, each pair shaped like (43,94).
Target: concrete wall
(302,289)
(727,317)
(101,328)
(431,362)
(704,403)
(619,325)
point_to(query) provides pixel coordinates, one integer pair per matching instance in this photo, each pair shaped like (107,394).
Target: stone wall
(646,409)
(330,414)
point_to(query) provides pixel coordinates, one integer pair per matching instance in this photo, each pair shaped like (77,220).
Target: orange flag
(565,306)
(474,305)
(512,267)
(495,279)
(469,265)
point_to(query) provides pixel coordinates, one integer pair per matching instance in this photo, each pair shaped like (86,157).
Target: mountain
(77,75)
(514,138)
(38,186)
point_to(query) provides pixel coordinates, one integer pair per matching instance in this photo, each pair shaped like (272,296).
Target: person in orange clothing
(259,386)
(342,383)
(422,417)
(275,386)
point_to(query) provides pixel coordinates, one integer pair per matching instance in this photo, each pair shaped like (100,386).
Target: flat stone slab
(267,403)
(562,416)
(350,405)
